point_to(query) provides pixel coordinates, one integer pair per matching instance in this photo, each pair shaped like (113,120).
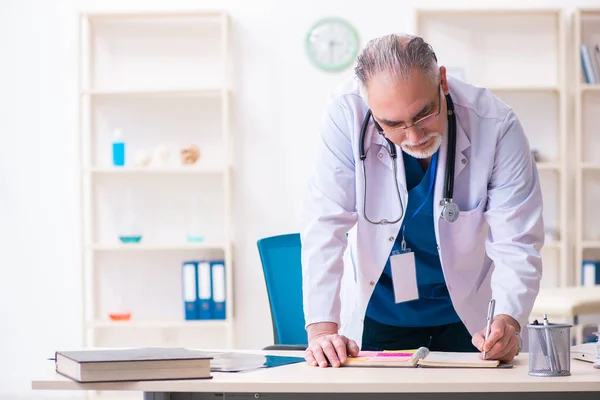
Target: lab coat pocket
(477,209)
(468,222)
(463,241)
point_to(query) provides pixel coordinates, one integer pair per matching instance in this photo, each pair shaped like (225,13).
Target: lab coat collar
(462,144)
(381,148)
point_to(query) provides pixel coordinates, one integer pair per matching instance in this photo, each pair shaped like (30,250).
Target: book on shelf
(138,364)
(596,62)
(421,357)
(590,66)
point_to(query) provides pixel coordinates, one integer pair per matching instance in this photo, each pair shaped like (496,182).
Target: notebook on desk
(242,362)
(141,364)
(586,352)
(421,357)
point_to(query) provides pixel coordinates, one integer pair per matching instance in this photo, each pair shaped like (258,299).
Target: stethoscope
(450,210)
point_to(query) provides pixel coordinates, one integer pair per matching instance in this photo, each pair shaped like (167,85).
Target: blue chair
(282,267)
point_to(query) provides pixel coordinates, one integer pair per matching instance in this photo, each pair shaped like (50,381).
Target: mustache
(425,139)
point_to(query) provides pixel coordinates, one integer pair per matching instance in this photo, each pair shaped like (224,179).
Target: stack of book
(203,285)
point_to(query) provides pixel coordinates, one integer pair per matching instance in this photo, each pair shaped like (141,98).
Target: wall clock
(332,44)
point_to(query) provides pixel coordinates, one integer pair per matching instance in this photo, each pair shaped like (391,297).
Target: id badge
(404,276)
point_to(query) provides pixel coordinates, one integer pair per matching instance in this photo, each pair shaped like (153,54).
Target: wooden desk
(299,381)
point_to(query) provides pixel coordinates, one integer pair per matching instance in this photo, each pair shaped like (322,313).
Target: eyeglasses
(420,123)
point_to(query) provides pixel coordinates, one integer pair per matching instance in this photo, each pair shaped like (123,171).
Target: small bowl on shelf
(130,238)
(119,316)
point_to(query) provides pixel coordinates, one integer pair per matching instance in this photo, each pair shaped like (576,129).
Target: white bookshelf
(157,92)
(588,87)
(135,247)
(164,80)
(160,324)
(523,88)
(586,24)
(524,65)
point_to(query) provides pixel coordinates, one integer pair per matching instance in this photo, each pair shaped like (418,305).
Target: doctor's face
(411,113)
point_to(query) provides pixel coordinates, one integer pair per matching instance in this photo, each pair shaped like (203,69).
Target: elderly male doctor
(418,272)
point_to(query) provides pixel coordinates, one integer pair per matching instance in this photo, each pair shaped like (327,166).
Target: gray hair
(394,57)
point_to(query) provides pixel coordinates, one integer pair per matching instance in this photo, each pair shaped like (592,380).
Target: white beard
(426,152)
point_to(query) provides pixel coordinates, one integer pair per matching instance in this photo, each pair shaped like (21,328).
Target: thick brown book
(142,364)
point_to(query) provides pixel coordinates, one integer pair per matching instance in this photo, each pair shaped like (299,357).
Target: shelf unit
(158,170)
(160,324)
(586,24)
(157,92)
(164,80)
(133,247)
(476,46)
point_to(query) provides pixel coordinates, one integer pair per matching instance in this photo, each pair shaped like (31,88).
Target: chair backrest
(282,267)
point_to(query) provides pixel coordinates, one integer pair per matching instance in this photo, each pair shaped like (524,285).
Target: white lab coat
(493,249)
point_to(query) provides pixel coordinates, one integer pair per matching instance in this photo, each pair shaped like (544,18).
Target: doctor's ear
(443,80)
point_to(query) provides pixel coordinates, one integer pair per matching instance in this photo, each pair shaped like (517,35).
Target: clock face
(332,44)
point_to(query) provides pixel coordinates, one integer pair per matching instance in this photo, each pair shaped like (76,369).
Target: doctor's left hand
(502,343)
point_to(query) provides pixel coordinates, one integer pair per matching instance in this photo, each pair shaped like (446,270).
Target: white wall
(279,98)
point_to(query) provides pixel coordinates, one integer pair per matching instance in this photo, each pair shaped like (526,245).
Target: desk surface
(301,378)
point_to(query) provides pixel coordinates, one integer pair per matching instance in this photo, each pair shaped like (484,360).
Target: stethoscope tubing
(448,173)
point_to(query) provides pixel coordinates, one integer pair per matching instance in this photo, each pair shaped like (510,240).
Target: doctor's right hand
(326,347)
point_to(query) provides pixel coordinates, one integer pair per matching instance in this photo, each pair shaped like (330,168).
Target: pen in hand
(490,317)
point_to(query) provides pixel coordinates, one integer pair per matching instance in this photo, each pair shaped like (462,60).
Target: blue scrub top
(434,307)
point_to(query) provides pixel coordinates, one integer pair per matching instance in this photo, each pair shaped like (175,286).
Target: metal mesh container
(549,349)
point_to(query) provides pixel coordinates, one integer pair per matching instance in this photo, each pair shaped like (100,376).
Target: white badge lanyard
(431,180)
(402,264)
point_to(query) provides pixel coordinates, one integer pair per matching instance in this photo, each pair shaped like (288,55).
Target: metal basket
(549,349)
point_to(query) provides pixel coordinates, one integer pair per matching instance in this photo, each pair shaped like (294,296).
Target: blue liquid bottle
(118,149)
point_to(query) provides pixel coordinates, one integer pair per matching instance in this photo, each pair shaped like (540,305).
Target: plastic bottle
(194,231)
(118,149)
(118,307)
(130,229)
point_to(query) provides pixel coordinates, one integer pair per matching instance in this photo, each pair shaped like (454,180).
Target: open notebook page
(437,358)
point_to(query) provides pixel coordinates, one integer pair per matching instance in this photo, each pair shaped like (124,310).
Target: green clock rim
(350,27)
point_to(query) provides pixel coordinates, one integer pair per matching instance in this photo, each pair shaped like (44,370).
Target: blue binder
(204,300)
(189,287)
(590,273)
(218,289)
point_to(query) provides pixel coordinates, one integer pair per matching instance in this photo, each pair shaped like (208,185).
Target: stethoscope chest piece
(450,211)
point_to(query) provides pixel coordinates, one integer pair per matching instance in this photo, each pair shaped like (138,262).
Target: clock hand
(331,50)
